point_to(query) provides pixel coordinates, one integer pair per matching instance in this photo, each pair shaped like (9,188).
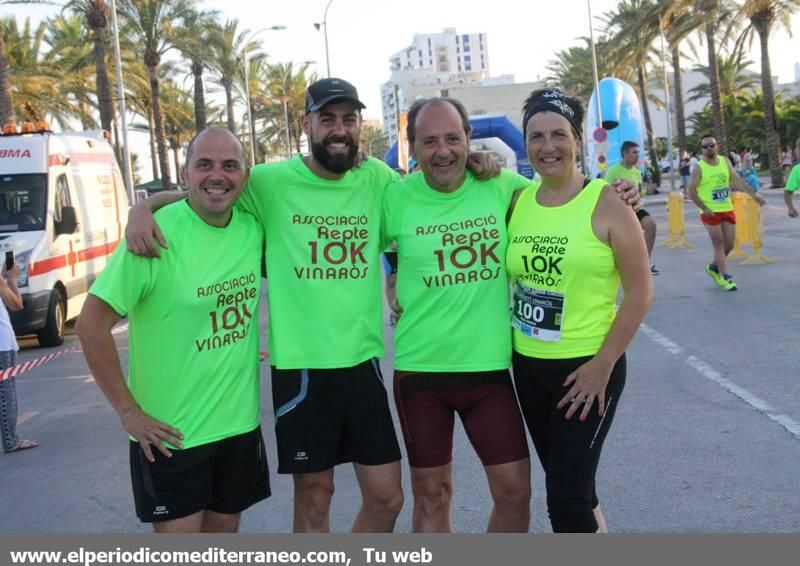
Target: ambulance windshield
(22,202)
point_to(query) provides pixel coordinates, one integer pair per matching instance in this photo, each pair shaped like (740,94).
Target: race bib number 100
(538,313)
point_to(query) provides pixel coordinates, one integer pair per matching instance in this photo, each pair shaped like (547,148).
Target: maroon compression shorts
(485,402)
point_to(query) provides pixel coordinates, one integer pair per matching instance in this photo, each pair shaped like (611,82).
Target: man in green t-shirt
(628,169)
(793,182)
(453,339)
(191,404)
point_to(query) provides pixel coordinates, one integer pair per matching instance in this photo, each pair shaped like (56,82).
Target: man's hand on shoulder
(142,233)
(483,165)
(628,191)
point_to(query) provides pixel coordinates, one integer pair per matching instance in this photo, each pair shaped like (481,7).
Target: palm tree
(676,23)
(374,141)
(734,77)
(7,112)
(763,15)
(150,22)
(70,52)
(96,14)
(254,82)
(287,84)
(789,119)
(632,42)
(37,86)
(229,46)
(180,124)
(192,40)
(571,70)
(140,101)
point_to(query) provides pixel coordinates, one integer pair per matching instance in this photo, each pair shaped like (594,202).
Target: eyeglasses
(708,145)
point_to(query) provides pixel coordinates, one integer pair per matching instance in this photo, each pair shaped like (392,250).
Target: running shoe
(654,270)
(713,272)
(727,283)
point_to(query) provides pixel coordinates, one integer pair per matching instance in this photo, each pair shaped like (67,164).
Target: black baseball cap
(330,90)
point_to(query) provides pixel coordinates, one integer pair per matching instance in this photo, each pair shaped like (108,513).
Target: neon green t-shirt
(793,182)
(451,278)
(619,171)
(323,261)
(565,278)
(193,314)
(714,188)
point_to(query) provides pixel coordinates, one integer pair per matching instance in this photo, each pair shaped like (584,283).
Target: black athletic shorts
(325,417)
(486,403)
(641,214)
(226,476)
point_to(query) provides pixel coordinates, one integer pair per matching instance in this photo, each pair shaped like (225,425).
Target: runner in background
(628,169)
(710,189)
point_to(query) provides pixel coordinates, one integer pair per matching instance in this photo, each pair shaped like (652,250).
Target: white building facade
(436,60)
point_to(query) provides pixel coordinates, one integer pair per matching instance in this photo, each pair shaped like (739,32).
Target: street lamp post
(667,108)
(324,25)
(250,122)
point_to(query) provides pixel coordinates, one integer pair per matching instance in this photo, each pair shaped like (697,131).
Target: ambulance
(63,211)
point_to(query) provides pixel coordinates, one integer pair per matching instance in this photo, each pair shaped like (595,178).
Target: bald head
(214,132)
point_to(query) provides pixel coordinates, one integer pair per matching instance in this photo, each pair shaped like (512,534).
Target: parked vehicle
(63,210)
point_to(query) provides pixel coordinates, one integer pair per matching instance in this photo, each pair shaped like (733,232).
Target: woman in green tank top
(571,243)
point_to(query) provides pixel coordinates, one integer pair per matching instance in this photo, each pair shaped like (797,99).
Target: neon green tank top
(451,273)
(565,279)
(714,188)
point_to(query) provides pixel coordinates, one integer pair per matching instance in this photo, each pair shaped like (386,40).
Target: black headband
(552,101)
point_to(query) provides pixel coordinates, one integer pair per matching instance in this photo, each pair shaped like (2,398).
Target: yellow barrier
(677,225)
(748,230)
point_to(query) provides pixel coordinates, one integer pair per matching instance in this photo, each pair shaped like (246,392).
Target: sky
(522,37)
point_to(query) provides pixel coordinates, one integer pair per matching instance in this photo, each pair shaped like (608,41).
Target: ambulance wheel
(52,334)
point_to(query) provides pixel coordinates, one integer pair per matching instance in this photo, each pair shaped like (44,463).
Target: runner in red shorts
(710,189)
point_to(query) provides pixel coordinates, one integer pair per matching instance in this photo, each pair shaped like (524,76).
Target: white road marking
(710,373)
(659,338)
(707,370)
(26,416)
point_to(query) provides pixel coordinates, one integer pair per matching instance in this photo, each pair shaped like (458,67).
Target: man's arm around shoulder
(142,233)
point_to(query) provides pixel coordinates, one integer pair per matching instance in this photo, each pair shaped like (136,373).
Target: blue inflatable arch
(484,127)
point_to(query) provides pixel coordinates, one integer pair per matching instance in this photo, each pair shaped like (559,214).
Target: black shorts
(641,214)
(325,417)
(485,401)
(226,476)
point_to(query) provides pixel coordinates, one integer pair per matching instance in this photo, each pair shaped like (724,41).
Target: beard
(335,163)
